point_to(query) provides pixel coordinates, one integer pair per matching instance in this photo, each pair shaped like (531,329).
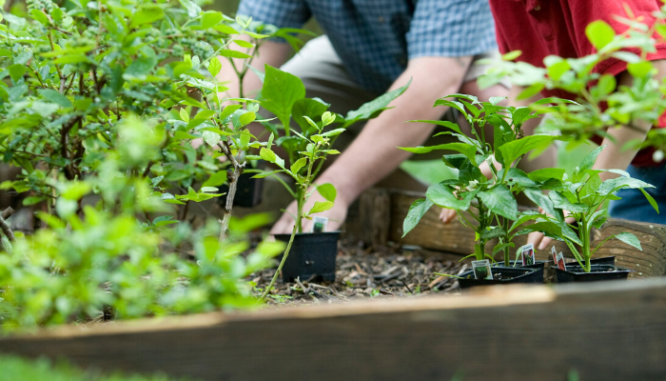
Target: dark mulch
(385,272)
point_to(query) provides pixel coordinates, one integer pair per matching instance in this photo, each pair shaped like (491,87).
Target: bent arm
(374,153)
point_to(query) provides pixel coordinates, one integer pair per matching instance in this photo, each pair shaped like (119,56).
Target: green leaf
(563,203)
(214,66)
(612,185)
(17,71)
(590,159)
(193,10)
(210,18)
(55,97)
(233,54)
(510,56)
(373,108)
(500,200)
(313,108)
(513,150)
(599,33)
(184,115)
(629,239)
(247,118)
(640,69)
(216,179)
(453,104)
(268,155)
(416,211)
(442,196)
(211,138)
(545,174)
(516,176)
(40,16)
(146,15)
(280,92)
(650,200)
(327,191)
(298,165)
(320,207)
(542,201)
(531,91)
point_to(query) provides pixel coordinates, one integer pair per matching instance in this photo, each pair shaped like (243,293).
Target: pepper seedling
(493,198)
(581,196)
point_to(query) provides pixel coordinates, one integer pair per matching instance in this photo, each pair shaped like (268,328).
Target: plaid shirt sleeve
(281,13)
(451,28)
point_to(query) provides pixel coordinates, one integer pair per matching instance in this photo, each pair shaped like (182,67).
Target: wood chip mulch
(385,272)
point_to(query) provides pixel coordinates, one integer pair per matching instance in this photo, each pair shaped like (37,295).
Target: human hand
(336,216)
(447,215)
(539,240)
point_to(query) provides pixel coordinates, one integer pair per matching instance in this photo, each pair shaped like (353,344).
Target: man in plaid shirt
(370,47)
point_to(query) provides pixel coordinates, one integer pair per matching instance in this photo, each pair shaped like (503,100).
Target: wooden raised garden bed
(605,331)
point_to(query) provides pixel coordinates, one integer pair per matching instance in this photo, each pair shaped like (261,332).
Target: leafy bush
(15,368)
(99,102)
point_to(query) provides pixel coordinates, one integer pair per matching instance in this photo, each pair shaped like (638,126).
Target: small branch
(5,227)
(232,177)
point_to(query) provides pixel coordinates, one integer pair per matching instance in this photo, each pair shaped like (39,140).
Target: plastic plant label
(319,224)
(558,259)
(482,269)
(527,255)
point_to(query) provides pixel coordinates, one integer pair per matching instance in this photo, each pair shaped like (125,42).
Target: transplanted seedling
(283,94)
(493,198)
(580,196)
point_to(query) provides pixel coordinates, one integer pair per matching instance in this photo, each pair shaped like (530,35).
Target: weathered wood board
(431,233)
(611,331)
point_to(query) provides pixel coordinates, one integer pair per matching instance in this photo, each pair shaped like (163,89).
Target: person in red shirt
(540,28)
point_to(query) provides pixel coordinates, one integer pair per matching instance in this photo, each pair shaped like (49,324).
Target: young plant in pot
(495,209)
(574,206)
(306,144)
(313,253)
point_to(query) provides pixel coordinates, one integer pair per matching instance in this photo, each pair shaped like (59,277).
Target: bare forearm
(374,153)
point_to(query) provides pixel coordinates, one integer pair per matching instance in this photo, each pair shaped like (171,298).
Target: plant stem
(507,259)
(284,259)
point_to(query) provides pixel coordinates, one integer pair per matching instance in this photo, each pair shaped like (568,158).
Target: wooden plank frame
(612,331)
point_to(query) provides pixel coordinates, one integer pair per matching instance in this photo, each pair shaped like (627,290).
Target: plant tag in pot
(482,269)
(558,259)
(319,224)
(527,254)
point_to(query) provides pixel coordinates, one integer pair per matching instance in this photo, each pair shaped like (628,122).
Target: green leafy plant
(283,94)
(17,368)
(601,103)
(493,198)
(98,104)
(580,196)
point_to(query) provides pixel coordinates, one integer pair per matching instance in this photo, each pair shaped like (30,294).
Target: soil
(383,272)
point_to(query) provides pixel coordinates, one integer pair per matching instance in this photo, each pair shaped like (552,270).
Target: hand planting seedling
(307,144)
(491,194)
(580,198)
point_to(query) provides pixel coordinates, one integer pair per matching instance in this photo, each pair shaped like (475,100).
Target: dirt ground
(384,272)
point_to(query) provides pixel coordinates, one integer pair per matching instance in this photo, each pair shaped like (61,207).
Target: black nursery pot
(516,275)
(575,273)
(312,255)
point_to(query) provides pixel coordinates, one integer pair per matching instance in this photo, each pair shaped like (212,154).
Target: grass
(18,369)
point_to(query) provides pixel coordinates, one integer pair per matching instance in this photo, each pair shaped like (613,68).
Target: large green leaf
(320,207)
(416,211)
(442,195)
(513,150)
(629,239)
(612,185)
(281,90)
(327,191)
(561,202)
(500,200)
(545,174)
(442,123)
(590,159)
(599,33)
(543,202)
(373,108)
(516,176)
(310,107)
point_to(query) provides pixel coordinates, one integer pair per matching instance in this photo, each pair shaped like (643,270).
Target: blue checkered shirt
(376,38)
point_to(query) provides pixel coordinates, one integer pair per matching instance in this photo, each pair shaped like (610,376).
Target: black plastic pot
(518,274)
(312,255)
(575,273)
